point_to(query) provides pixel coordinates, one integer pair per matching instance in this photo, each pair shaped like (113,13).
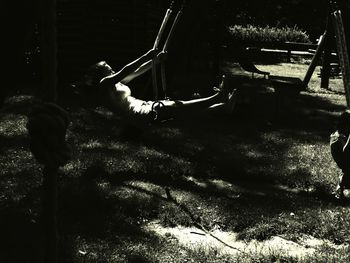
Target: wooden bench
(286,47)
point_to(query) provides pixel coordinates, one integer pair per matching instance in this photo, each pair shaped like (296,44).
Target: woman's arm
(128,69)
(144,68)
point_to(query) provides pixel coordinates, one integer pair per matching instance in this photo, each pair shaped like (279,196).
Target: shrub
(267,34)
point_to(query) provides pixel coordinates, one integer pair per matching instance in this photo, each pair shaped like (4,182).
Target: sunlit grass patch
(299,70)
(19,174)
(327,254)
(316,161)
(13,125)
(323,222)
(226,248)
(14,161)
(328,223)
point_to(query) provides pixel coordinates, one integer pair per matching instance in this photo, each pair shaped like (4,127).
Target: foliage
(308,15)
(267,34)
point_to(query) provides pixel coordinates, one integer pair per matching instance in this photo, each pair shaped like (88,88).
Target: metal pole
(48,93)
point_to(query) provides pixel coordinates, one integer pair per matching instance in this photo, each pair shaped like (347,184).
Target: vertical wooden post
(49,50)
(289,55)
(48,93)
(315,59)
(342,52)
(217,38)
(326,68)
(49,214)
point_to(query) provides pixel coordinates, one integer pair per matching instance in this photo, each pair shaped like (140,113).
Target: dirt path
(193,238)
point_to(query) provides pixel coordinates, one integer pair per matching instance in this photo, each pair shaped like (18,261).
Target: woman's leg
(201,103)
(214,103)
(221,100)
(221,96)
(189,106)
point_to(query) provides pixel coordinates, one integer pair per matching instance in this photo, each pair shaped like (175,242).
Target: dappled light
(175,131)
(226,176)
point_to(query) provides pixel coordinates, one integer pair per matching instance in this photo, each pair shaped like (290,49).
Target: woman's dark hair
(95,73)
(343,125)
(88,87)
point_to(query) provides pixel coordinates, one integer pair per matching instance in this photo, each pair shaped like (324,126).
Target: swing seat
(250,67)
(287,85)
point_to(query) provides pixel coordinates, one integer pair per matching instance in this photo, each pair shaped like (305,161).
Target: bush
(267,34)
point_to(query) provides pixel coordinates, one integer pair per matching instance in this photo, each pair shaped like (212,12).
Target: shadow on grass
(20,236)
(87,214)
(11,141)
(308,122)
(19,104)
(246,150)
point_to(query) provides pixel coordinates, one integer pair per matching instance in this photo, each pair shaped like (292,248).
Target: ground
(255,186)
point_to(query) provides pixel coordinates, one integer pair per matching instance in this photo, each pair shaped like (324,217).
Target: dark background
(120,31)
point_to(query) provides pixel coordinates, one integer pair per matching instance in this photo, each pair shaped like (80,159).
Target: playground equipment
(342,52)
(296,84)
(155,46)
(250,67)
(334,30)
(165,47)
(315,59)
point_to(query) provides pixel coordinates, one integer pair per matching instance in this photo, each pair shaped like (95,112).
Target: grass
(260,173)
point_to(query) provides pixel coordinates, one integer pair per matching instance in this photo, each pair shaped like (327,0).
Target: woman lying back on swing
(102,82)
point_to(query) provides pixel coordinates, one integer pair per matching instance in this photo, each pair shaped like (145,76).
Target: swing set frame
(334,32)
(334,29)
(167,42)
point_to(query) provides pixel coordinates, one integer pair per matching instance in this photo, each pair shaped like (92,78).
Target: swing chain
(156,106)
